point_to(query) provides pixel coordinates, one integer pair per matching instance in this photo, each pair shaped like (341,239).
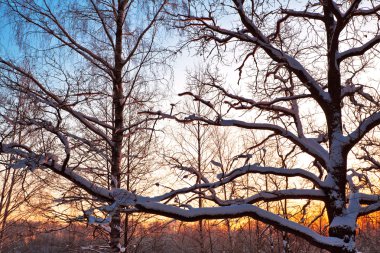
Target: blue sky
(9,45)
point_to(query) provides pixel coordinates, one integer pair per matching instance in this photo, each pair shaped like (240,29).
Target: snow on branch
(55,101)
(356,51)
(43,160)
(308,145)
(280,56)
(198,98)
(350,11)
(365,126)
(250,33)
(124,198)
(234,211)
(263,105)
(369,11)
(349,216)
(258,103)
(32,161)
(303,14)
(267,196)
(274,171)
(370,209)
(350,90)
(127,198)
(368,198)
(261,196)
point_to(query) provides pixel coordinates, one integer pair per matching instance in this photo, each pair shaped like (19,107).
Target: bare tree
(310,86)
(86,57)
(17,190)
(192,151)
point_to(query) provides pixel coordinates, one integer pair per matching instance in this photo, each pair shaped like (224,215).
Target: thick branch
(308,145)
(357,51)
(365,126)
(274,171)
(303,14)
(281,57)
(235,211)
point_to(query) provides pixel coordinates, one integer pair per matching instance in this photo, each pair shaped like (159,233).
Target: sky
(7,41)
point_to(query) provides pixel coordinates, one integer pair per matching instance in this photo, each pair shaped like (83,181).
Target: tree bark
(117,133)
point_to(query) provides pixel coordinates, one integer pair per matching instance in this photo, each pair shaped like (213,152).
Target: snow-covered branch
(251,34)
(308,145)
(55,101)
(261,196)
(277,195)
(234,211)
(303,14)
(357,51)
(280,56)
(365,126)
(370,209)
(274,171)
(29,159)
(367,11)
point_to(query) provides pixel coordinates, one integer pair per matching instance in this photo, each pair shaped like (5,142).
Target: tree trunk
(117,133)
(348,235)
